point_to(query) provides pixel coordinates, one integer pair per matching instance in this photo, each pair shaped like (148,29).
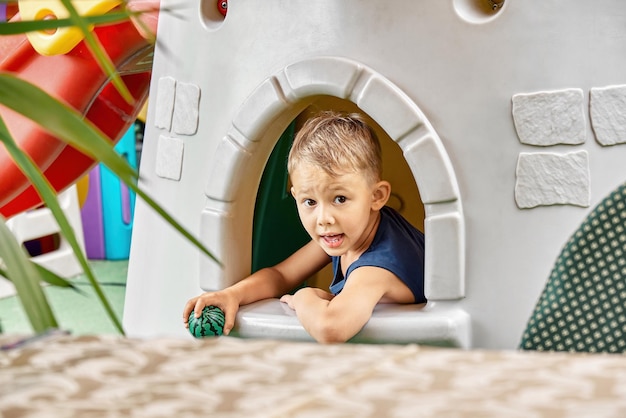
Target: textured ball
(209,324)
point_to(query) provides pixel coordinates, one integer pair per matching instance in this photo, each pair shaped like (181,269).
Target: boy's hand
(319,293)
(223,300)
(288,299)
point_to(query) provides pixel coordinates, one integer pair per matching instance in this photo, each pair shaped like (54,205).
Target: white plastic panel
(263,105)
(386,104)
(227,166)
(445,257)
(218,225)
(213,232)
(332,76)
(465,91)
(389,324)
(431,168)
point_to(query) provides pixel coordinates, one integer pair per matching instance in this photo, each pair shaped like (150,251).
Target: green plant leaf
(23,26)
(26,280)
(98,51)
(48,277)
(49,197)
(69,126)
(54,279)
(85,24)
(61,121)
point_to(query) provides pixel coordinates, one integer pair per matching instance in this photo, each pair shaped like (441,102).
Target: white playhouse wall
(511,115)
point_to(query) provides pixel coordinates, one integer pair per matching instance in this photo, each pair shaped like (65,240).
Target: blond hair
(338,144)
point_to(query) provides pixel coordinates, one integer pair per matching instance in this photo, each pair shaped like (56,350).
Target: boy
(335,167)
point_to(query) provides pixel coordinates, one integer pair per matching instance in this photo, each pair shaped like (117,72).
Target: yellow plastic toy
(61,40)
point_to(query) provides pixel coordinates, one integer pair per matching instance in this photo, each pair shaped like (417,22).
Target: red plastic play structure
(76,79)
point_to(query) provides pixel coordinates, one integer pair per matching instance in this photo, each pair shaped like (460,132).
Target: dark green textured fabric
(583,306)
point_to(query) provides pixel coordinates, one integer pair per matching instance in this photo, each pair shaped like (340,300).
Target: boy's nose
(324,216)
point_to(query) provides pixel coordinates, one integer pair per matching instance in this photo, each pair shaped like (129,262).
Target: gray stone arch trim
(237,166)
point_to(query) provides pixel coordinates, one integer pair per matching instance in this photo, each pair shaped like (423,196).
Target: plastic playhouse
(503,120)
(503,133)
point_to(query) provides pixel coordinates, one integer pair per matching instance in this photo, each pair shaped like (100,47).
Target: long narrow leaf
(26,280)
(97,50)
(62,121)
(54,279)
(67,125)
(47,276)
(49,197)
(24,26)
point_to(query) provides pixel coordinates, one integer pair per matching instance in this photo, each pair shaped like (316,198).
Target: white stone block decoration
(431,170)
(552,179)
(444,275)
(212,232)
(333,76)
(550,118)
(607,108)
(186,109)
(169,158)
(264,105)
(387,104)
(166,91)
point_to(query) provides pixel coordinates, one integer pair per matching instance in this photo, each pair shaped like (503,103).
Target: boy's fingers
(198,308)
(202,302)
(189,306)
(229,320)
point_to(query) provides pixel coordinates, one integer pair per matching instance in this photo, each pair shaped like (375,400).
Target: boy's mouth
(332,241)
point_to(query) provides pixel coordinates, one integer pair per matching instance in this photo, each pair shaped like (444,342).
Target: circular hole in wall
(478,11)
(213,13)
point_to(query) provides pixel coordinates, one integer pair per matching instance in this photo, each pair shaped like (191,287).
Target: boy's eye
(340,199)
(308,202)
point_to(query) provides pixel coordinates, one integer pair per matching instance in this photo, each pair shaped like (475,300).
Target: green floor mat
(79,313)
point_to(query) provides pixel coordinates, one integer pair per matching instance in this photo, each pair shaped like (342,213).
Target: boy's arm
(265,283)
(338,319)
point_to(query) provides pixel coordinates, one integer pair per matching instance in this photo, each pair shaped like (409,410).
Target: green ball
(209,324)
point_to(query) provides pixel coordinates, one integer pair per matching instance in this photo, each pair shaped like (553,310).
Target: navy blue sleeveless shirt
(398,247)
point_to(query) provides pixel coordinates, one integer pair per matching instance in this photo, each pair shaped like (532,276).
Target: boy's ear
(380,194)
(293,192)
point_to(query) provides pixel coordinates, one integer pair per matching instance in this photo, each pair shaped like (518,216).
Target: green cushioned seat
(583,306)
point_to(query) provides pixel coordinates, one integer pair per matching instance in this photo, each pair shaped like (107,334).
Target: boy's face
(338,212)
